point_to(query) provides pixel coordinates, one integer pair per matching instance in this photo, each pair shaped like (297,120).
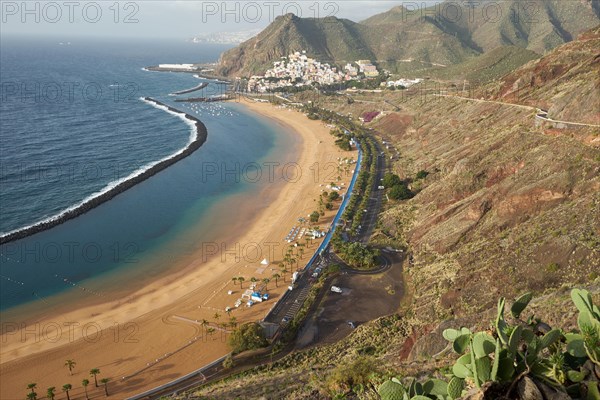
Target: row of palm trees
(210,330)
(289,260)
(66,388)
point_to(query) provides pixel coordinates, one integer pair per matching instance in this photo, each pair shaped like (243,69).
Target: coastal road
(290,304)
(374,206)
(292,300)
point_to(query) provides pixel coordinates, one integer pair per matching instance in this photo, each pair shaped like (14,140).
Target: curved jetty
(115,188)
(199,87)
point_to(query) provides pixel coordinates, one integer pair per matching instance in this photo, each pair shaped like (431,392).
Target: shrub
(357,255)
(343,144)
(333,196)
(400,192)
(228,362)
(422,174)
(390,180)
(314,216)
(349,375)
(553,267)
(249,336)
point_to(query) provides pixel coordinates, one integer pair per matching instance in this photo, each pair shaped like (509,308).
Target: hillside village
(298,70)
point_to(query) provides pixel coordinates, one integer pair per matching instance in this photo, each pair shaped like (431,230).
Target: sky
(181,19)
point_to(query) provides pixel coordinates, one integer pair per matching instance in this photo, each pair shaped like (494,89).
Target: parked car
(352,324)
(336,289)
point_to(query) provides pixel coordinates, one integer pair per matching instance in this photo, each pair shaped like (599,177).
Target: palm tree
(105,383)
(70,364)
(66,389)
(204,323)
(50,392)
(94,372)
(32,387)
(233,322)
(287,259)
(276,276)
(283,270)
(266,282)
(85,384)
(241,280)
(217,316)
(234,279)
(32,396)
(253,280)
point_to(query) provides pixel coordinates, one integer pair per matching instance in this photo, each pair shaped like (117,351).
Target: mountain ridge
(430,35)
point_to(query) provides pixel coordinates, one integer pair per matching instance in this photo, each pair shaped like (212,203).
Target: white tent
(265,262)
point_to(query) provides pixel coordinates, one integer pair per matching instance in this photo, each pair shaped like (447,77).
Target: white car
(336,289)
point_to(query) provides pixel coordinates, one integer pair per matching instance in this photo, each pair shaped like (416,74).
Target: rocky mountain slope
(507,207)
(446,34)
(565,82)
(482,69)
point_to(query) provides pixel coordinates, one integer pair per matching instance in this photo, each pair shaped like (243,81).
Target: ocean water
(73,123)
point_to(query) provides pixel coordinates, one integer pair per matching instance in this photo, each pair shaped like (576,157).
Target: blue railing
(341,210)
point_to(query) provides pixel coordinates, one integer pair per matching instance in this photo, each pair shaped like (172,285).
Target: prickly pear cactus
(455,387)
(391,391)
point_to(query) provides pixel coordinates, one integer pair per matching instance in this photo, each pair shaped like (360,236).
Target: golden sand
(158,339)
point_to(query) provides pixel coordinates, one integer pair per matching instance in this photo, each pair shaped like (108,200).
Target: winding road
(541,115)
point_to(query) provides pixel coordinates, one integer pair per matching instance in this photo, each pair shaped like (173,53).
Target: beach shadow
(163,367)
(145,384)
(138,384)
(132,383)
(123,360)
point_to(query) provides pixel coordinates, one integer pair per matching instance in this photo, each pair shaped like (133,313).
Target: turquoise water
(139,233)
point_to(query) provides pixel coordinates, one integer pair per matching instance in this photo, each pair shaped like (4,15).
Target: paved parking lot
(364,297)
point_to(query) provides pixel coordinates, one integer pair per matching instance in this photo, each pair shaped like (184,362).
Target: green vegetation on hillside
(248,336)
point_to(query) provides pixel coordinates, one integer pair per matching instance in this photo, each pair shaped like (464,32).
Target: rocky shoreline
(201,136)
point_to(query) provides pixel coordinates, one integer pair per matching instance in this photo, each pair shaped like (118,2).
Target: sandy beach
(155,335)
